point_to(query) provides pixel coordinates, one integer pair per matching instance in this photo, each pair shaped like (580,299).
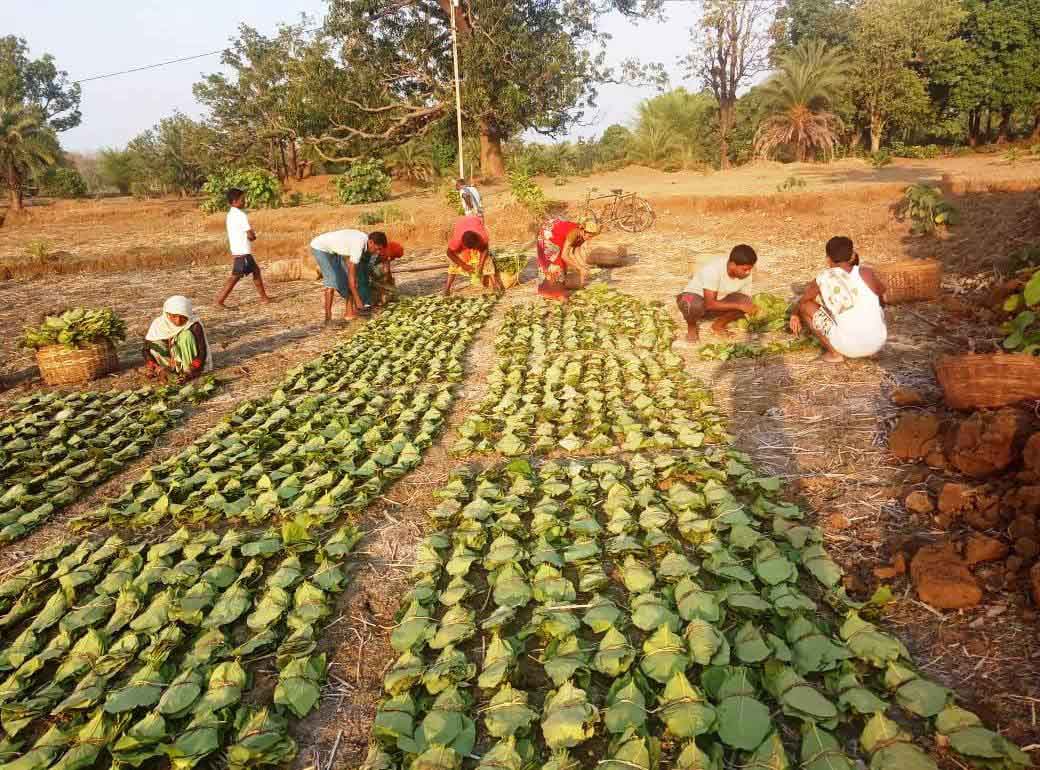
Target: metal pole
(458,91)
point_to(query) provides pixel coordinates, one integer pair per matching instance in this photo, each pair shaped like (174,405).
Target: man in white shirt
(352,281)
(472,206)
(240,241)
(720,290)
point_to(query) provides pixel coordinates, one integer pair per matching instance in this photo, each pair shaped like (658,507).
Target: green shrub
(262,190)
(1013,155)
(364,182)
(292,200)
(880,159)
(63,183)
(527,193)
(926,208)
(39,249)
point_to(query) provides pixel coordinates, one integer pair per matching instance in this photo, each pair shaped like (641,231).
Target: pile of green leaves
(773,314)
(1023,331)
(588,401)
(336,434)
(123,653)
(417,341)
(644,614)
(74,328)
(724,351)
(511,261)
(55,447)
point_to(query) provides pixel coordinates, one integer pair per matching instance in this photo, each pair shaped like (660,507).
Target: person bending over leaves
(843,306)
(469,255)
(563,245)
(721,291)
(176,346)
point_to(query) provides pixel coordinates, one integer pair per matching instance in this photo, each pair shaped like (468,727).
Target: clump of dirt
(914,436)
(981,548)
(942,578)
(985,443)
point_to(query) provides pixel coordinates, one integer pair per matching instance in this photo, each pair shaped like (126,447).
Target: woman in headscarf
(176,345)
(563,245)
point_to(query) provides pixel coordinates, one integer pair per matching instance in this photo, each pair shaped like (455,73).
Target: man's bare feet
(721,328)
(693,335)
(831,358)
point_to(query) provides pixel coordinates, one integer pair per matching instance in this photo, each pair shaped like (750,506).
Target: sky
(95,38)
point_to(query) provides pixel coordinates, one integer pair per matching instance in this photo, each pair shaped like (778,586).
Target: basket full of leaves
(510,264)
(77,345)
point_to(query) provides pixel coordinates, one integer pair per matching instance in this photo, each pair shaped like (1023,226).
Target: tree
(731,47)
(176,154)
(689,116)
(524,64)
(116,168)
(27,146)
(991,67)
(275,97)
(893,44)
(36,101)
(797,97)
(797,21)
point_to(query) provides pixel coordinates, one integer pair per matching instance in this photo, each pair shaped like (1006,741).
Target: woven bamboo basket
(60,365)
(914,280)
(976,381)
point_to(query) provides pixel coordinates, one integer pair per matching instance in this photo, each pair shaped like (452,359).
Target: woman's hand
(796,324)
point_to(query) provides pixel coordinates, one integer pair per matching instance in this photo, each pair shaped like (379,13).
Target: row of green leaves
(665,602)
(58,446)
(592,401)
(117,652)
(417,341)
(724,351)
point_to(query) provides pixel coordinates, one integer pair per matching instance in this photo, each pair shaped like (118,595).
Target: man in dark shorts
(240,240)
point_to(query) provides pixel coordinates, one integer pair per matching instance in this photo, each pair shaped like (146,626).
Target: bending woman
(176,346)
(561,246)
(842,307)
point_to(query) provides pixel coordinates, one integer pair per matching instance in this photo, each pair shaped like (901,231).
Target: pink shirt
(463,225)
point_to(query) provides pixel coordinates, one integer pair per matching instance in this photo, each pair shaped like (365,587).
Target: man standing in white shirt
(240,240)
(472,206)
(720,290)
(352,282)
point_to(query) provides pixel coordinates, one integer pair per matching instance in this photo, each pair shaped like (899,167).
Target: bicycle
(626,210)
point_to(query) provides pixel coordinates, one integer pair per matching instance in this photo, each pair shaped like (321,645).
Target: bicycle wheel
(636,215)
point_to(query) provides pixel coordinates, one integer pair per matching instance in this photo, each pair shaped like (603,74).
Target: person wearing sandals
(843,306)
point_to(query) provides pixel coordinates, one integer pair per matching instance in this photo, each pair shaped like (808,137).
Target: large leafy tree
(730,47)
(992,66)
(273,99)
(893,45)
(37,101)
(798,97)
(798,21)
(175,155)
(678,122)
(524,65)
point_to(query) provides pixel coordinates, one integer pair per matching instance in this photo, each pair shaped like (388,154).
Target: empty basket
(915,280)
(975,380)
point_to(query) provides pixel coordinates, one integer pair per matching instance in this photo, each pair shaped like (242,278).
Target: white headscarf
(163,328)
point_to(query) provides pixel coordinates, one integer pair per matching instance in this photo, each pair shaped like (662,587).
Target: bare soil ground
(821,427)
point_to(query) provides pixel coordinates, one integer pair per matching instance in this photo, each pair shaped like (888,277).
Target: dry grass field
(824,430)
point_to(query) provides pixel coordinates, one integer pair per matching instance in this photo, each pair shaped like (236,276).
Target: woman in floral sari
(562,245)
(176,346)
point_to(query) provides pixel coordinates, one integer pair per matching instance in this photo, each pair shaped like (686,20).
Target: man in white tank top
(843,306)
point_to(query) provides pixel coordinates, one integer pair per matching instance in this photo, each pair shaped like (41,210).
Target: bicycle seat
(617,191)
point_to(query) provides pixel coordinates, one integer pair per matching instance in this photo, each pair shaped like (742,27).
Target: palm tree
(797,96)
(27,144)
(653,143)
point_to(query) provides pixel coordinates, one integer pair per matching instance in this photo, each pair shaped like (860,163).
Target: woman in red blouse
(561,245)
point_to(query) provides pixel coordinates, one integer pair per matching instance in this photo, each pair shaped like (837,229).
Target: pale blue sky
(94,38)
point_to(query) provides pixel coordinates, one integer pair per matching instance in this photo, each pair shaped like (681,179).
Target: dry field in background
(824,430)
